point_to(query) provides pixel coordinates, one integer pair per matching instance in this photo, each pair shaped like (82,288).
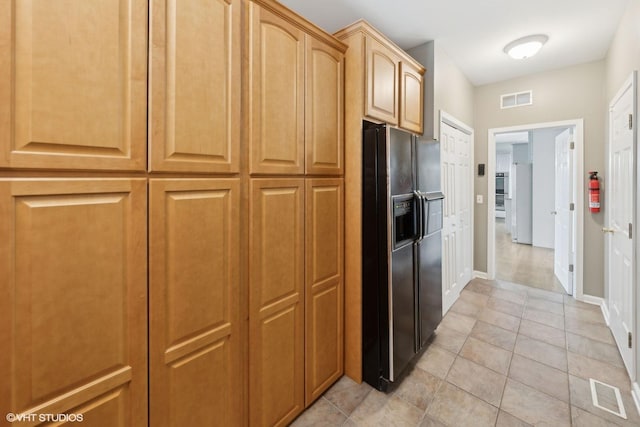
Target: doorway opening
(533,194)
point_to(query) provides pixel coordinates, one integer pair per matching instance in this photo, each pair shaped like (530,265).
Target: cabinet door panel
(276,84)
(73,298)
(324,114)
(382,83)
(73,79)
(276,301)
(324,285)
(195,357)
(195,86)
(411,99)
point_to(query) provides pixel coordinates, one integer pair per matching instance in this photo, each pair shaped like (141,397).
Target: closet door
(73,84)
(195,343)
(276,301)
(73,299)
(195,86)
(324,308)
(276,85)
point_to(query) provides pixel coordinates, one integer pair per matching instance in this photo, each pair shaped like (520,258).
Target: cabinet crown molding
(362,26)
(302,23)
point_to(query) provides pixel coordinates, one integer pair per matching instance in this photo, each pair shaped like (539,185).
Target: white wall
(543,196)
(521,153)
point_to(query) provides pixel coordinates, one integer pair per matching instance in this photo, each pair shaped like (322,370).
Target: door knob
(607,230)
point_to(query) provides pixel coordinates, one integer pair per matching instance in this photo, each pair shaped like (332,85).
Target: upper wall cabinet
(73,78)
(411,98)
(393,81)
(382,82)
(195,86)
(276,91)
(324,113)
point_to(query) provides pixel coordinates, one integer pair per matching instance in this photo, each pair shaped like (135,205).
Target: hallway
(504,355)
(524,264)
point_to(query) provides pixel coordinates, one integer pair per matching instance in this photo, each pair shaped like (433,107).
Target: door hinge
(630,230)
(572,145)
(570,268)
(572,206)
(630,340)
(630,121)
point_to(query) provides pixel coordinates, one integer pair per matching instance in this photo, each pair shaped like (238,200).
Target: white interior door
(456,232)
(563,215)
(619,205)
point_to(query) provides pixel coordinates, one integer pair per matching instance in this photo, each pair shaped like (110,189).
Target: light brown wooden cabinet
(296,83)
(383,70)
(324,306)
(411,98)
(276,301)
(194,110)
(195,341)
(393,81)
(73,305)
(324,112)
(73,79)
(276,85)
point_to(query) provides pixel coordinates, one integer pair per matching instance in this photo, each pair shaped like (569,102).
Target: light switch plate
(479,199)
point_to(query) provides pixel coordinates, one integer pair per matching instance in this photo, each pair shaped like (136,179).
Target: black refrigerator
(401,250)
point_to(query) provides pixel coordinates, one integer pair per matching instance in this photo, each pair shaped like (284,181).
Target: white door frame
(463,127)
(578,124)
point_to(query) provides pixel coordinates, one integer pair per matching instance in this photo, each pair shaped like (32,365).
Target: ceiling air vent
(519,99)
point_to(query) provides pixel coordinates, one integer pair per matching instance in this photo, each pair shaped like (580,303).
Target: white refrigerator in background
(521,215)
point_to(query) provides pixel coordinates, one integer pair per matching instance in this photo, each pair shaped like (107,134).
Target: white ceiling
(474,32)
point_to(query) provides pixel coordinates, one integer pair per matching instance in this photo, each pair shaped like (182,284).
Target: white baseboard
(590,299)
(605,311)
(635,392)
(480,275)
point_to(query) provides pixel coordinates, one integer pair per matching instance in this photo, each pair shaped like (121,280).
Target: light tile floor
(526,264)
(504,355)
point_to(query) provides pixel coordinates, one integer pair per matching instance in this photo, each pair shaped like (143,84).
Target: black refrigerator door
(400,162)
(427,166)
(429,285)
(404,316)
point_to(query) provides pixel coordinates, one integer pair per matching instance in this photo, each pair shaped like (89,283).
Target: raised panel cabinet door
(73,299)
(324,113)
(276,301)
(411,98)
(324,301)
(195,86)
(73,84)
(381,101)
(276,93)
(195,343)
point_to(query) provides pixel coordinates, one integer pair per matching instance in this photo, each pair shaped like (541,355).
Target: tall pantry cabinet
(73,234)
(171,195)
(295,145)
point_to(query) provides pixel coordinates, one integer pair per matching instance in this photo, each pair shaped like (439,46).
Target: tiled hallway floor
(504,355)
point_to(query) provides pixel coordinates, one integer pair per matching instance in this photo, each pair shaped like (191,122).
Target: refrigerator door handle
(420,216)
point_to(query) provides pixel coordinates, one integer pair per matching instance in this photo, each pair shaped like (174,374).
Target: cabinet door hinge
(630,340)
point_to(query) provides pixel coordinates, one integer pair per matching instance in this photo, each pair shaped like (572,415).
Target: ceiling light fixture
(525,47)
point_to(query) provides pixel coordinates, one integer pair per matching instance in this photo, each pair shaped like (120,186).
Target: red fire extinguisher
(594,192)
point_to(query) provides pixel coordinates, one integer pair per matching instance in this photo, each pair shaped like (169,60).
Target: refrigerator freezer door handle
(420,216)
